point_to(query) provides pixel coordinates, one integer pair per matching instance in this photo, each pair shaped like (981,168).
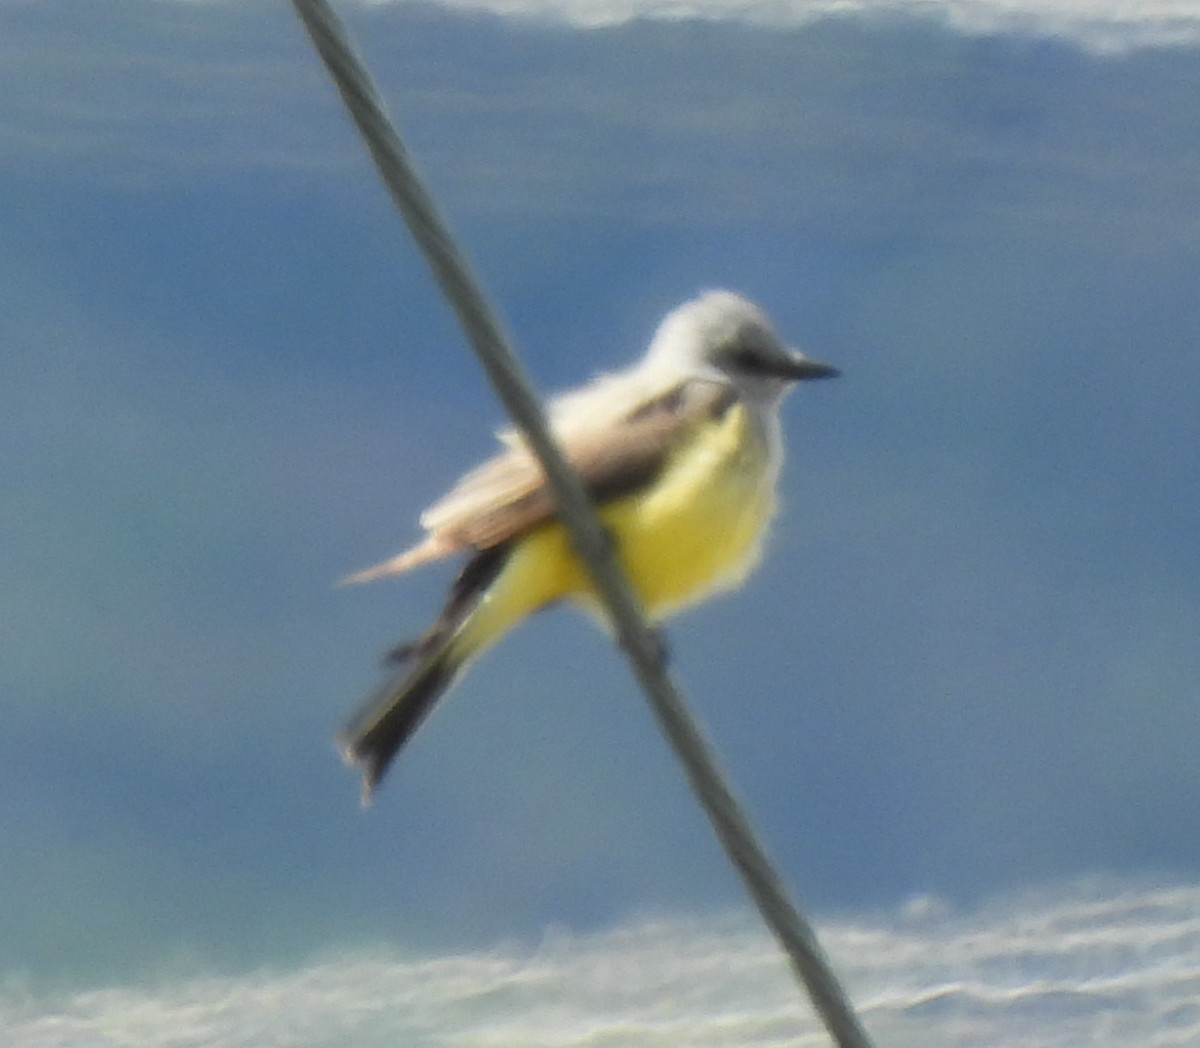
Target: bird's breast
(698,527)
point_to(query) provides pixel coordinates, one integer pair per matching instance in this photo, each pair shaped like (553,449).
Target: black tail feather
(468,586)
(389,718)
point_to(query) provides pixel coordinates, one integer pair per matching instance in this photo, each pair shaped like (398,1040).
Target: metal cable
(641,644)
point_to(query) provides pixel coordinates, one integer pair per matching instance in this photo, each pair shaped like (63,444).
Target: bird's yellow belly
(696,530)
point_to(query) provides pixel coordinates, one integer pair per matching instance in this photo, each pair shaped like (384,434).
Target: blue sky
(970,665)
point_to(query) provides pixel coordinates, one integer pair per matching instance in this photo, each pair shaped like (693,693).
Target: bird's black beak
(799,369)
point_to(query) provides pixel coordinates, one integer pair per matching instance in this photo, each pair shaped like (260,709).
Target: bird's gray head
(724,337)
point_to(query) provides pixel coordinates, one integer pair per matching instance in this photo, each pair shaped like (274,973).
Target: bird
(681,455)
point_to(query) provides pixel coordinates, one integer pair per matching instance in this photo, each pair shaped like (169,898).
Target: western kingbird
(681,454)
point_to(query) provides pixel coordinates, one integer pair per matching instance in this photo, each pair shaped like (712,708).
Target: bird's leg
(401,652)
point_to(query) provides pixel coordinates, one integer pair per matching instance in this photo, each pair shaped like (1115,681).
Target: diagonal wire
(641,644)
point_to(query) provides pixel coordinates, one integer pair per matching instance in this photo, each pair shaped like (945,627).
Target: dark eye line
(747,360)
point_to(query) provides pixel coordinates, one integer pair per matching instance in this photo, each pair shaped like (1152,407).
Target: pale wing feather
(602,403)
(507,477)
(507,495)
(430,549)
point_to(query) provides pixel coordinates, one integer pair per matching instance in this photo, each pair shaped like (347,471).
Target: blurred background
(969,670)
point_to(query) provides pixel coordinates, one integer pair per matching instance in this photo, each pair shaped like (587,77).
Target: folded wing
(507,495)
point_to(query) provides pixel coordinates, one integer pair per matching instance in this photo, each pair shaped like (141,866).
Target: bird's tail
(423,671)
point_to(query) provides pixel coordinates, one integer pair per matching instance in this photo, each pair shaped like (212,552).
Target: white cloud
(1103,966)
(1105,25)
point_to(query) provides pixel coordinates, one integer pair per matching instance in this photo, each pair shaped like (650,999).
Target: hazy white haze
(1101,24)
(1091,966)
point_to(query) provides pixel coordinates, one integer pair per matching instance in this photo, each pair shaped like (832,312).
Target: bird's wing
(508,495)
